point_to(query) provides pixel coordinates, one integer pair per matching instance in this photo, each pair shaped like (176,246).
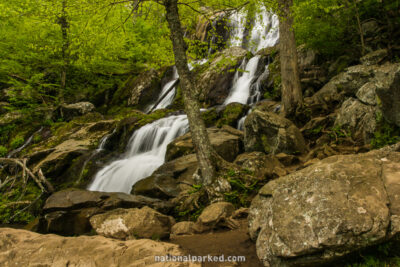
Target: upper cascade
(263,31)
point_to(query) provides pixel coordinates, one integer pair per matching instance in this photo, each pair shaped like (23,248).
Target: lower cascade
(145,153)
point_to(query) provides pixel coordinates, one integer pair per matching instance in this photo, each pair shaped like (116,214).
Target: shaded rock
(261,165)
(24,248)
(270,133)
(367,94)
(168,180)
(132,223)
(214,79)
(375,57)
(68,212)
(357,118)
(67,146)
(345,83)
(327,210)
(232,113)
(226,141)
(139,90)
(184,228)
(388,91)
(216,215)
(68,112)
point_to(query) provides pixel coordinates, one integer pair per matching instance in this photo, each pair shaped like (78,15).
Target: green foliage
(241,192)
(15,198)
(386,133)
(3,151)
(17,142)
(337,132)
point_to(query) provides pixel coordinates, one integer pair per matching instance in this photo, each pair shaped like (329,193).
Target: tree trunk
(205,152)
(64,25)
(292,96)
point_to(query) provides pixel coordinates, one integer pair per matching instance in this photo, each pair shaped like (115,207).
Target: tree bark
(64,25)
(205,153)
(292,96)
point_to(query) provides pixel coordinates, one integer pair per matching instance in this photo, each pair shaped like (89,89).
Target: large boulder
(270,133)
(70,111)
(214,79)
(24,248)
(262,166)
(68,212)
(168,180)
(357,118)
(328,210)
(388,91)
(132,223)
(346,83)
(67,144)
(139,90)
(226,141)
(216,215)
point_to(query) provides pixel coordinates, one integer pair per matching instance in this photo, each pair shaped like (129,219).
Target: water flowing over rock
(169,180)
(139,90)
(145,153)
(167,94)
(328,210)
(240,91)
(24,248)
(263,33)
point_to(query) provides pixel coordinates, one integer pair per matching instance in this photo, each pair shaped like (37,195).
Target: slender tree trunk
(205,152)
(64,25)
(292,96)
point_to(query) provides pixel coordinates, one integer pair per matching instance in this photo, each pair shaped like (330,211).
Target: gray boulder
(358,119)
(270,133)
(227,142)
(388,91)
(328,210)
(68,212)
(68,112)
(132,223)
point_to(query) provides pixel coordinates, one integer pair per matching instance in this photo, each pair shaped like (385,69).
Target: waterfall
(145,153)
(238,27)
(240,91)
(265,31)
(167,99)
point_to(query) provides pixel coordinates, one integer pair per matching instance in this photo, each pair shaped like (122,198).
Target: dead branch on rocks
(39,179)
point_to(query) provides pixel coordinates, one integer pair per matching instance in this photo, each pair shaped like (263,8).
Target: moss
(3,151)
(14,198)
(243,190)
(232,113)
(210,117)
(17,142)
(386,133)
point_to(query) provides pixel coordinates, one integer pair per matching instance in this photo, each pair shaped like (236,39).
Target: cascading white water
(265,31)
(167,99)
(237,28)
(145,153)
(240,91)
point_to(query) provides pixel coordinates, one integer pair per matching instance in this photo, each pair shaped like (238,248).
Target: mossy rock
(232,113)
